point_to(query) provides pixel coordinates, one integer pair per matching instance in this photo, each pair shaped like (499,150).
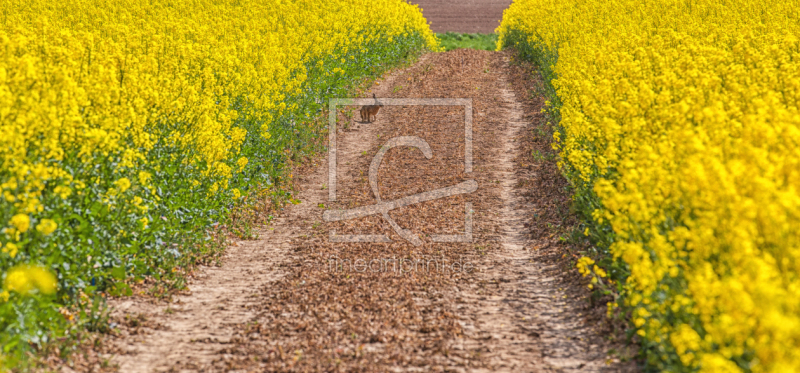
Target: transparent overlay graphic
(382,207)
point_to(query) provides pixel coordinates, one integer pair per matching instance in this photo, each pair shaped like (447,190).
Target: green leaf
(118,273)
(121,288)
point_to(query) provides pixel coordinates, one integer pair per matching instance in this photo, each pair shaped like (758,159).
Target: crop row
(678,126)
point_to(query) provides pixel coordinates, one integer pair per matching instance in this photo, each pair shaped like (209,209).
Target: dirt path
(300,300)
(191,330)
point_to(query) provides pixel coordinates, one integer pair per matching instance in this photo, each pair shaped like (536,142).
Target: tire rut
(526,323)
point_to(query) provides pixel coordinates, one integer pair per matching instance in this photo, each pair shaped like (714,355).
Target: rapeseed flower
(679,129)
(25,279)
(21,222)
(46,227)
(113,112)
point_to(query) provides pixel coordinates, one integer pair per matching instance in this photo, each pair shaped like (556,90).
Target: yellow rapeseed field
(128,128)
(680,130)
(79,78)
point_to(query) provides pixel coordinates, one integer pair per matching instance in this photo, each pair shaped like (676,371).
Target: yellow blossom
(46,226)
(11,249)
(21,222)
(25,279)
(123,184)
(241,163)
(144,177)
(583,265)
(679,123)
(62,191)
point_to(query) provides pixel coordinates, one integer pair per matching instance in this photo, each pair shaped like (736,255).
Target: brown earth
(295,300)
(470,16)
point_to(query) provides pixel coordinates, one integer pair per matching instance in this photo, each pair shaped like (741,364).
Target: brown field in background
(472,16)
